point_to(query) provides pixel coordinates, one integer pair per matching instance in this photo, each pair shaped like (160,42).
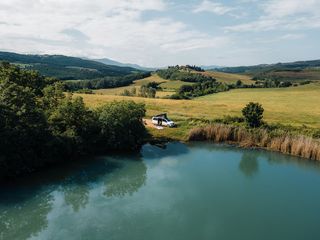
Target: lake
(194,191)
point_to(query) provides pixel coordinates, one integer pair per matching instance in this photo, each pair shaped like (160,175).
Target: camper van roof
(162,115)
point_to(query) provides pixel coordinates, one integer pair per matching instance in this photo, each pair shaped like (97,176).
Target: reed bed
(283,142)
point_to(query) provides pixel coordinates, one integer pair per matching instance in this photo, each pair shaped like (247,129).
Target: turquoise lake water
(195,191)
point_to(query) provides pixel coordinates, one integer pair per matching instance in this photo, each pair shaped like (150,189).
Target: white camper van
(162,120)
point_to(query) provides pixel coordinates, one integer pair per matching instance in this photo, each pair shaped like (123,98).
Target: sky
(159,33)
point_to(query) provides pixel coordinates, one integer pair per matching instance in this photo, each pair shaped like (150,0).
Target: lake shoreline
(282,141)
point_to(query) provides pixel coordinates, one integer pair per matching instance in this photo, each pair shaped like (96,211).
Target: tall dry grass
(301,146)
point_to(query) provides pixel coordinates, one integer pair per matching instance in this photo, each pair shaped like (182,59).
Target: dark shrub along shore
(280,141)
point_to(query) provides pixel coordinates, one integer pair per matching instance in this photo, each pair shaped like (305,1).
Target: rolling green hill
(290,72)
(300,65)
(64,67)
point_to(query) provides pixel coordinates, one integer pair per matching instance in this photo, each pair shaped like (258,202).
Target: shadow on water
(249,163)
(170,149)
(25,203)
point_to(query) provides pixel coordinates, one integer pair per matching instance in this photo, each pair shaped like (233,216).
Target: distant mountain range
(115,63)
(66,68)
(73,68)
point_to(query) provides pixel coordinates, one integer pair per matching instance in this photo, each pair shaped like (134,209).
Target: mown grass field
(295,105)
(228,77)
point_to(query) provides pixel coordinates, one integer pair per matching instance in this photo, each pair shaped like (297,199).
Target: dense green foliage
(179,73)
(39,124)
(106,82)
(273,83)
(253,114)
(200,89)
(121,124)
(63,67)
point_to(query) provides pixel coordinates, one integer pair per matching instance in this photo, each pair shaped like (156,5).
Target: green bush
(253,114)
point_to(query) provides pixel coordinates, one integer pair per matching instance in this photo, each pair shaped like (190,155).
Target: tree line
(106,82)
(177,73)
(40,124)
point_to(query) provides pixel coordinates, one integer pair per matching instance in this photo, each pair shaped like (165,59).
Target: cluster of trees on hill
(192,67)
(39,124)
(65,68)
(200,89)
(175,73)
(148,90)
(106,82)
(273,83)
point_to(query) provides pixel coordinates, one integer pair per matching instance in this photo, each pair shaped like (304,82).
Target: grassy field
(169,87)
(228,77)
(173,85)
(136,84)
(295,105)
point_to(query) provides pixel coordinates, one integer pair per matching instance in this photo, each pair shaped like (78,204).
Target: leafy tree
(154,85)
(239,83)
(23,127)
(75,123)
(253,114)
(121,124)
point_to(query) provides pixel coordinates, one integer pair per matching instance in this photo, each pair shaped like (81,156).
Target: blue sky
(161,32)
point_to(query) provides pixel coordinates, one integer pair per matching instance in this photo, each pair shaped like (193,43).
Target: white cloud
(283,8)
(284,38)
(292,36)
(96,28)
(284,14)
(214,7)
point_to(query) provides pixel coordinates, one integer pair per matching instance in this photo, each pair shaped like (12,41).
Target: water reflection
(24,220)
(76,196)
(76,187)
(249,163)
(26,203)
(127,179)
(278,158)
